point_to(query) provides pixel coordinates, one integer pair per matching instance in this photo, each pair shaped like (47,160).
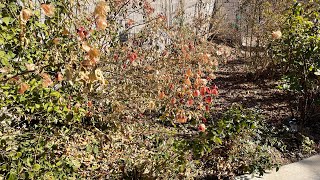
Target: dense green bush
(296,49)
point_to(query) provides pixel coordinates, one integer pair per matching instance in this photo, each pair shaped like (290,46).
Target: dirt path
(237,85)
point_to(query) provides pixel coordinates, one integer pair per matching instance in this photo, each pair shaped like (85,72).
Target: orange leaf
(93,53)
(23,88)
(65,31)
(130,22)
(181,117)
(101,9)
(26,14)
(86,63)
(189,73)
(173,101)
(56,41)
(190,102)
(101,23)
(161,95)
(196,93)
(48,9)
(45,76)
(188,82)
(276,34)
(208,99)
(205,58)
(59,76)
(89,103)
(47,82)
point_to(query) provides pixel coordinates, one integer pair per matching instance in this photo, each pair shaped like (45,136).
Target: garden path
(238,85)
(307,169)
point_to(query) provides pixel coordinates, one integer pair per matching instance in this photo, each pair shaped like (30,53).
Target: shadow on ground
(238,85)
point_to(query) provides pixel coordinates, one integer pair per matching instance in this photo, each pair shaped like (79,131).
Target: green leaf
(22,99)
(41,25)
(46,105)
(59,163)
(217,140)
(5,62)
(311,68)
(6,87)
(29,162)
(95,150)
(31,174)
(7,20)
(11,55)
(12,176)
(4,58)
(50,109)
(2,53)
(76,164)
(55,94)
(3,167)
(182,167)
(18,155)
(36,167)
(88,149)
(2,6)
(56,108)
(95,167)
(65,109)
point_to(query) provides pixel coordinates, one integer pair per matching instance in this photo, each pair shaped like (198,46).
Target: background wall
(170,8)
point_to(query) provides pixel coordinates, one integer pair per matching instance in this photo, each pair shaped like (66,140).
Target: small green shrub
(233,145)
(308,145)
